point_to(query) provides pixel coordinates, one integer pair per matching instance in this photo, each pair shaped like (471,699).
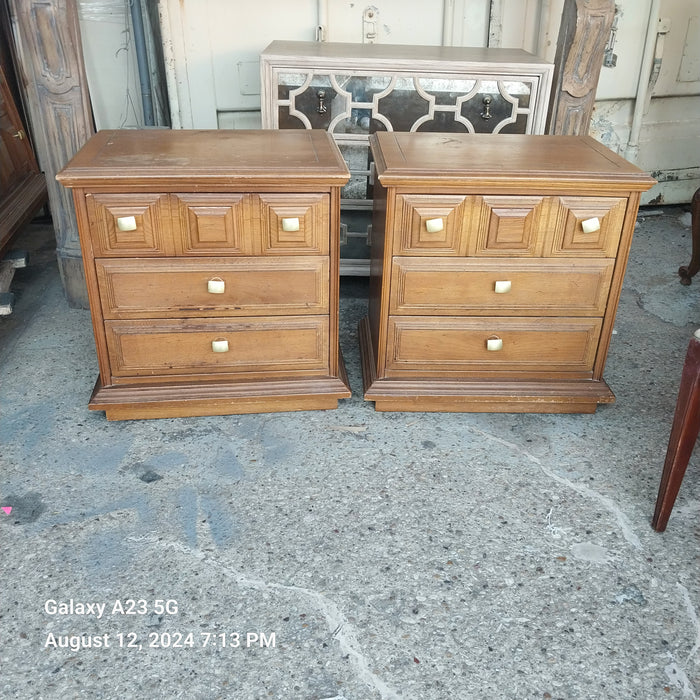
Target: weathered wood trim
(47,37)
(583,35)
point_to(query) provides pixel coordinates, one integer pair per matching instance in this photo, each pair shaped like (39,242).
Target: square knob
(591,225)
(290,224)
(494,344)
(434,225)
(501,286)
(126,223)
(216,286)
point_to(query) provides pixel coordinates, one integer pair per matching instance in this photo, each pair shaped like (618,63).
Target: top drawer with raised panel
(507,225)
(208,224)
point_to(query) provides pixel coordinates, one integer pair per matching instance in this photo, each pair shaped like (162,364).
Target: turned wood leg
(684,433)
(686,272)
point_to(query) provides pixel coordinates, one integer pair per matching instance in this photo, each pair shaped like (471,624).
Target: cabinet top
(214,158)
(500,159)
(376,55)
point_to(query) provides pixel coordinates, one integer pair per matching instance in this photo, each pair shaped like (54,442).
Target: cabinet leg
(686,272)
(684,433)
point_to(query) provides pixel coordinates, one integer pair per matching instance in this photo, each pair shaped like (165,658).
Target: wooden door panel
(22,186)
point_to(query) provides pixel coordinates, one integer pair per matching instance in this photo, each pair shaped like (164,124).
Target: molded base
(128,402)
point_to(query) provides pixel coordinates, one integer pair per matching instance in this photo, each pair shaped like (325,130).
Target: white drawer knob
(501,286)
(126,223)
(494,344)
(216,286)
(219,345)
(434,225)
(291,224)
(591,225)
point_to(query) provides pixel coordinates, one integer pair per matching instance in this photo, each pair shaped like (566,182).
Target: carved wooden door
(22,187)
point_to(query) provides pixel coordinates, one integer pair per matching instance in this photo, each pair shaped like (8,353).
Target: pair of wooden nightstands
(212,264)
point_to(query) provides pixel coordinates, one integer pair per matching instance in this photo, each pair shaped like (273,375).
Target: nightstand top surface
(453,158)
(206,157)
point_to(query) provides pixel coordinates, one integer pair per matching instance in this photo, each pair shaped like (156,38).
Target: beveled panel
(211,223)
(569,237)
(509,226)
(151,215)
(312,211)
(464,286)
(175,287)
(424,345)
(291,344)
(413,234)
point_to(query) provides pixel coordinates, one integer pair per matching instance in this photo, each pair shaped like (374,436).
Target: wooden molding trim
(583,35)
(47,37)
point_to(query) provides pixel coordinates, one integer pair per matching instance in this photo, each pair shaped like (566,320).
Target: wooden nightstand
(212,266)
(496,270)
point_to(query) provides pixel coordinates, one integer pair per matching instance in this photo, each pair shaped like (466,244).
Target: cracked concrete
(348,554)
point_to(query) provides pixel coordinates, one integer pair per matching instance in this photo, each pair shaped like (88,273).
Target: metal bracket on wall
(369,25)
(610,58)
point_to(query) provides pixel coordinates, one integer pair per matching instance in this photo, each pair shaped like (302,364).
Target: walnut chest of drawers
(211,260)
(496,269)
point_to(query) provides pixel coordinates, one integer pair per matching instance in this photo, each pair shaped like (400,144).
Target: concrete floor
(347,554)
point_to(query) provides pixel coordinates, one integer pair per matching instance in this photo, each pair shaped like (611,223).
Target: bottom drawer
(289,345)
(424,345)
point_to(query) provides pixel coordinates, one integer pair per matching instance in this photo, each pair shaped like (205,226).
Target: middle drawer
(177,287)
(479,286)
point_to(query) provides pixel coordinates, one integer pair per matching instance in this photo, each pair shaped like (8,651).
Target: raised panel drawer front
(130,224)
(530,287)
(176,287)
(289,345)
(509,226)
(430,224)
(293,223)
(422,346)
(253,224)
(587,226)
(213,224)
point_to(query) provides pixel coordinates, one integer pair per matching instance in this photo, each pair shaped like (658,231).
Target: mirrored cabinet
(354,90)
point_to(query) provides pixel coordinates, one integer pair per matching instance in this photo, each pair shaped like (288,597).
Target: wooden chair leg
(686,272)
(684,433)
